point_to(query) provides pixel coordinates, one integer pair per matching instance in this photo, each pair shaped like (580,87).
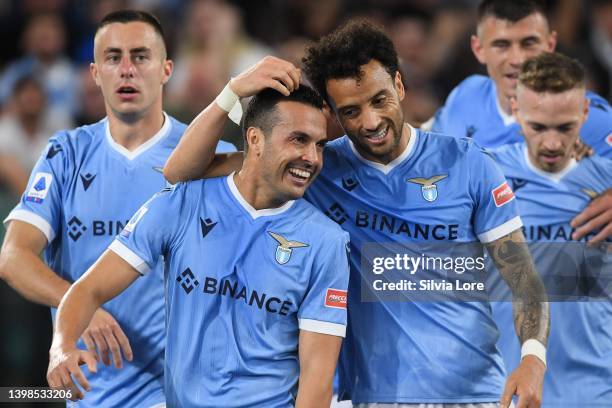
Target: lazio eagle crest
(285,247)
(428,186)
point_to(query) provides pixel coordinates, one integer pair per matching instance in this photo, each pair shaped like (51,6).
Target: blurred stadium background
(45,83)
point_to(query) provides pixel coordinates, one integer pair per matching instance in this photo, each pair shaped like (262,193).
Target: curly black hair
(342,53)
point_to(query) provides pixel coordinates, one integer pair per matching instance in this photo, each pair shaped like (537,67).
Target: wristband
(227,98)
(535,348)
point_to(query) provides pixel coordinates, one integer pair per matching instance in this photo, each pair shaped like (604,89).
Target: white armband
(535,348)
(230,102)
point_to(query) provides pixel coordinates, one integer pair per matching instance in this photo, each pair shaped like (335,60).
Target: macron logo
(336,298)
(502,194)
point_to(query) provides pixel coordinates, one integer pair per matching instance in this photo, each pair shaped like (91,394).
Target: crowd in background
(45,84)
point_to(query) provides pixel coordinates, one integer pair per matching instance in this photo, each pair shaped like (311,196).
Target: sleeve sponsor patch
(133,221)
(502,194)
(336,298)
(609,139)
(40,187)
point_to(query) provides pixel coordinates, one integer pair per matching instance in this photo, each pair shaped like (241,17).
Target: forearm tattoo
(529,300)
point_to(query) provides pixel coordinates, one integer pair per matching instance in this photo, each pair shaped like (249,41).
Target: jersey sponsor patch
(133,221)
(609,139)
(336,298)
(502,194)
(40,188)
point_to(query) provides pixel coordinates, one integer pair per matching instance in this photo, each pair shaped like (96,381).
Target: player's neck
(131,131)
(504,103)
(254,190)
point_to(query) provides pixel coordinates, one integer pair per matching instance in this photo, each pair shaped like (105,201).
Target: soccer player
(84,188)
(551,188)
(256,277)
(388,182)
(509,32)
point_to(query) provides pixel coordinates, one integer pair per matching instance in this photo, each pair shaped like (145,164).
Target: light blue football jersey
(472,110)
(241,284)
(82,192)
(417,352)
(579,352)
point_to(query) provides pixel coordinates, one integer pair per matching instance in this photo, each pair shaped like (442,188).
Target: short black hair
(342,53)
(128,16)
(511,10)
(262,111)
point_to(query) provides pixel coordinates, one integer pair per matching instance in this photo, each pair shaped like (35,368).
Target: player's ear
(587,102)
(93,69)
(399,86)
(477,48)
(168,67)
(254,139)
(551,41)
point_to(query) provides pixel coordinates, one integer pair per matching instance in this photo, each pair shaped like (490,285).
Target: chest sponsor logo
(40,188)
(87,179)
(337,213)
(336,298)
(187,280)
(429,189)
(285,247)
(502,194)
(76,228)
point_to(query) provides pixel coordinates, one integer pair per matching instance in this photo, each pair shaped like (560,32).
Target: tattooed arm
(530,308)
(531,315)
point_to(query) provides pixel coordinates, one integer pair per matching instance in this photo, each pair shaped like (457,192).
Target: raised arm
(194,157)
(107,278)
(531,317)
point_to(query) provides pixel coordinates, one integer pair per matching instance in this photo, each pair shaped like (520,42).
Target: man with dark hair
(84,188)
(508,33)
(386,182)
(551,187)
(256,277)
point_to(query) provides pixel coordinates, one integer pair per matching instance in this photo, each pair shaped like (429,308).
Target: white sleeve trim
(493,234)
(318,326)
(32,219)
(129,256)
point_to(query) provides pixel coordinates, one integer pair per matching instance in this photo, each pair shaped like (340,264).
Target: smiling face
(130,67)
(291,155)
(503,46)
(369,110)
(551,124)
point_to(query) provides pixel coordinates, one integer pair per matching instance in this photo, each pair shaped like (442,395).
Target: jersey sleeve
(496,212)
(41,202)
(597,130)
(323,309)
(152,230)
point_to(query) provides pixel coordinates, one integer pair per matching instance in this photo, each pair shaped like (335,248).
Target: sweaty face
(504,46)
(551,125)
(369,110)
(130,67)
(292,154)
